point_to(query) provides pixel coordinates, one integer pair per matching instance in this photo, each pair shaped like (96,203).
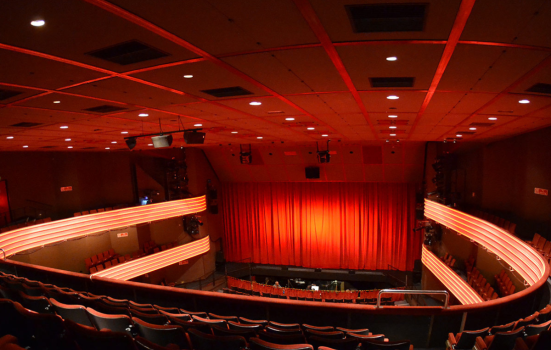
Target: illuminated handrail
(412,291)
(521,257)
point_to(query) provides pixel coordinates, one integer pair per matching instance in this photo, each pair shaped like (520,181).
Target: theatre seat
(202,341)
(88,338)
(183,317)
(284,325)
(144,344)
(363,331)
(249,321)
(146,310)
(75,313)
(109,309)
(220,331)
(157,319)
(162,335)
(362,337)
(465,340)
(499,341)
(337,344)
(42,331)
(37,304)
(115,323)
(326,334)
(503,328)
(241,326)
(321,329)
(535,342)
(227,318)
(527,320)
(282,331)
(395,345)
(172,310)
(186,325)
(221,323)
(535,329)
(193,313)
(259,344)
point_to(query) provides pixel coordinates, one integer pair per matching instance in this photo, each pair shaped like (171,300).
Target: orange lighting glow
(457,286)
(138,267)
(525,260)
(41,235)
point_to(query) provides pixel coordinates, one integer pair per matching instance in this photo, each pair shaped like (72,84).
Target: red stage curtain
(322,225)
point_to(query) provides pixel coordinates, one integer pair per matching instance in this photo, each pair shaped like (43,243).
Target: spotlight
(131,143)
(245,156)
(194,137)
(323,156)
(162,141)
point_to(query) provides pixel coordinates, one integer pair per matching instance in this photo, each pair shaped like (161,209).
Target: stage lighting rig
(192,227)
(165,138)
(323,156)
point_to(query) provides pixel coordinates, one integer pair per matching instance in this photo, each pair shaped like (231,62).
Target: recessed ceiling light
(524,101)
(255,103)
(25,146)
(392,58)
(392,127)
(290,118)
(197,124)
(124,132)
(64,127)
(311,128)
(57,101)
(392,97)
(69,146)
(492,118)
(234,132)
(67,139)
(188,76)
(143,115)
(10,137)
(458,135)
(38,23)
(324,135)
(387,141)
(259,137)
(113,141)
(393,116)
(472,128)
(392,134)
(150,144)
(107,148)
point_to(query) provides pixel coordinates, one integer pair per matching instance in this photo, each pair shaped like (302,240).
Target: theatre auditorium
(275,174)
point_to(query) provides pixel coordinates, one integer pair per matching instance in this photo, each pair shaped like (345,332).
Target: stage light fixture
(131,143)
(194,137)
(245,156)
(323,156)
(162,141)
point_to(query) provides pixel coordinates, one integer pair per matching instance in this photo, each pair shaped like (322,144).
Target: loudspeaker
(312,172)
(131,143)
(194,137)
(162,141)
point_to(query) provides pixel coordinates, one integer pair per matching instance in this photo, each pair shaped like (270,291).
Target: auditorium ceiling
(271,71)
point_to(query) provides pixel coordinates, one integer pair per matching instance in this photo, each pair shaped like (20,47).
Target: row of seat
(501,222)
(481,285)
(160,325)
(25,224)
(542,245)
(243,287)
(100,210)
(9,342)
(506,337)
(505,284)
(100,258)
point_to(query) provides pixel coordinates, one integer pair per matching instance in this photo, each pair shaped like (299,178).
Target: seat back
(157,319)
(321,329)
(394,345)
(534,329)
(277,330)
(220,331)
(284,325)
(327,334)
(281,339)
(337,344)
(41,330)
(363,331)
(75,313)
(259,344)
(186,325)
(227,318)
(543,342)
(115,323)
(505,340)
(249,321)
(244,327)
(202,341)
(88,338)
(504,328)
(161,335)
(362,337)
(37,304)
(467,339)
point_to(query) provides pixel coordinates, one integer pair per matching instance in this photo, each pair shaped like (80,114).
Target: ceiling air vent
(48,147)
(228,92)
(481,125)
(396,82)
(5,94)
(105,109)
(89,147)
(128,53)
(25,125)
(540,88)
(465,133)
(387,17)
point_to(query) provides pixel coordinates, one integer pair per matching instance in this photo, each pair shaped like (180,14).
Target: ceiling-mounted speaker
(162,141)
(312,172)
(194,137)
(131,143)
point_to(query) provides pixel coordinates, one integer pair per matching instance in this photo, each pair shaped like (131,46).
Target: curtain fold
(337,225)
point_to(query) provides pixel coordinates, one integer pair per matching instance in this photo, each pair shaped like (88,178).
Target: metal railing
(412,291)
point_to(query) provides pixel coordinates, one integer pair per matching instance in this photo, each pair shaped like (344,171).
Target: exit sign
(66,189)
(122,234)
(541,191)
(185,262)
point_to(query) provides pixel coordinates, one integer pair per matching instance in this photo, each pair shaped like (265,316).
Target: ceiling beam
(459,24)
